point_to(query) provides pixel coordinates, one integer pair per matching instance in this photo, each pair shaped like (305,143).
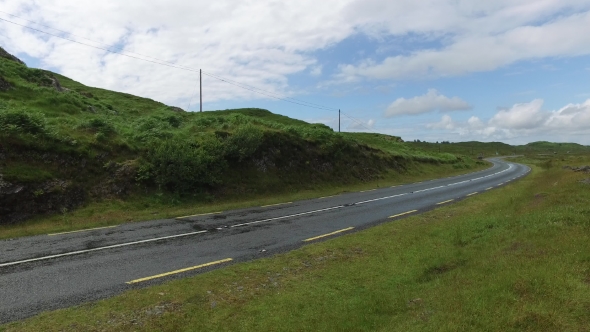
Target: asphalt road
(53,271)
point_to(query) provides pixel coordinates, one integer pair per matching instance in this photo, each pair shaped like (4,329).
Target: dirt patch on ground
(538,199)
(527,250)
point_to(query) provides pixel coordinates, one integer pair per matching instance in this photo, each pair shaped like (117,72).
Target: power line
(354,120)
(173,65)
(270,94)
(191,100)
(165,63)
(82,37)
(159,62)
(289,98)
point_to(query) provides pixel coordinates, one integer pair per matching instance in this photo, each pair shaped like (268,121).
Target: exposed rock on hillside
(19,202)
(9,56)
(176,109)
(55,84)
(4,85)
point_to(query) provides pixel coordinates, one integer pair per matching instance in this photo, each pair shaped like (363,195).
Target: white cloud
(521,116)
(480,37)
(572,117)
(429,102)
(523,120)
(316,71)
(258,43)
(262,42)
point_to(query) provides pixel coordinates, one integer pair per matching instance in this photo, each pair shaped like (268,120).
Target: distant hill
(543,146)
(487,149)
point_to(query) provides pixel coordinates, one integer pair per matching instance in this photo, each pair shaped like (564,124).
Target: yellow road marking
(178,271)
(472,194)
(327,196)
(198,215)
(82,230)
(364,191)
(329,234)
(450,200)
(401,214)
(276,204)
(490,188)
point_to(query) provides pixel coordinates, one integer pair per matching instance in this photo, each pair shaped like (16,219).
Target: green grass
(515,258)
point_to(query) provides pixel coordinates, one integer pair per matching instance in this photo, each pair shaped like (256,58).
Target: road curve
(53,271)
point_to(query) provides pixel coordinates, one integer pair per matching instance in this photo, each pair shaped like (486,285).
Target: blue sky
(512,71)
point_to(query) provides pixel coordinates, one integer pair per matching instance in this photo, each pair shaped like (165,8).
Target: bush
(21,121)
(244,142)
(184,165)
(150,128)
(99,126)
(173,120)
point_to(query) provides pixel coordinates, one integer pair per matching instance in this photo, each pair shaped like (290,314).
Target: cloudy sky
(505,70)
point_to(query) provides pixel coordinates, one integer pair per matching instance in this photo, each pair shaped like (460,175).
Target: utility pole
(201,90)
(338,120)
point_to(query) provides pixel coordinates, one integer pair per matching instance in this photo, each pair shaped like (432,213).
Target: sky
(514,71)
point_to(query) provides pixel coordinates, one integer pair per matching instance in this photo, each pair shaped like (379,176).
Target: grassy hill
(64,145)
(488,149)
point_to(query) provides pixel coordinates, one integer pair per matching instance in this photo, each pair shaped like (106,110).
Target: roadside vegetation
(516,258)
(73,156)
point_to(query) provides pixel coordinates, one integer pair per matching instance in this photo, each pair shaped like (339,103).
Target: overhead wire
(142,57)
(271,94)
(289,98)
(82,37)
(159,62)
(358,122)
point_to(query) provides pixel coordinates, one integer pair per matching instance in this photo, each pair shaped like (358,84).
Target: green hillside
(64,145)
(488,149)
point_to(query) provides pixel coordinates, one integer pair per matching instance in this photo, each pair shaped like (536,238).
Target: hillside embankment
(64,145)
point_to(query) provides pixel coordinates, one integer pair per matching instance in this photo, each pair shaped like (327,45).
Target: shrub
(182,164)
(173,120)
(21,121)
(150,128)
(244,142)
(99,126)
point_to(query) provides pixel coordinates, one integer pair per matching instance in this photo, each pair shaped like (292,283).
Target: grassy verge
(159,206)
(512,259)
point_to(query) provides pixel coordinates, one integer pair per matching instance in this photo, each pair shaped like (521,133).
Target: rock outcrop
(4,54)
(4,85)
(585,169)
(176,109)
